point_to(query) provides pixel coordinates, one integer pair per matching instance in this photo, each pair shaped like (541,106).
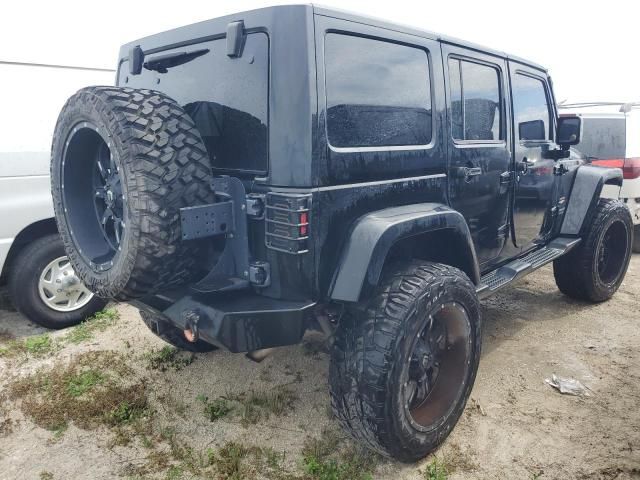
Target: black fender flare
(585,192)
(373,235)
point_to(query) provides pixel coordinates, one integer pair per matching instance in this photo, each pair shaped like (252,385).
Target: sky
(590,49)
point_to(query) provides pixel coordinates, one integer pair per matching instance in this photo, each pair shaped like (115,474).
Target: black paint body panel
(363,200)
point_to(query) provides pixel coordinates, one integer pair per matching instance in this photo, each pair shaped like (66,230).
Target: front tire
(594,270)
(403,364)
(45,289)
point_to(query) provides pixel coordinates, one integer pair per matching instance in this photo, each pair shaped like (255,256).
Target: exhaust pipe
(259,355)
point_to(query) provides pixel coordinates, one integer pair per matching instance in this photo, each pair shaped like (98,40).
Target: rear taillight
(630,166)
(287,222)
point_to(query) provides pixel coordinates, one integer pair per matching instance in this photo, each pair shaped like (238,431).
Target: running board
(507,274)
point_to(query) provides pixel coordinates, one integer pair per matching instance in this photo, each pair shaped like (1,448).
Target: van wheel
(594,270)
(403,364)
(636,239)
(124,162)
(46,290)
(161,327)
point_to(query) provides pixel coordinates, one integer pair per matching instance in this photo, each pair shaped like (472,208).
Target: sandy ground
(515,426)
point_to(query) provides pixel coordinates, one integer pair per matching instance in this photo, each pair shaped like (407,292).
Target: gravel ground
(515,426)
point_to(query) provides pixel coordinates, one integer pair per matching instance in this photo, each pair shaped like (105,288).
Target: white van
(611,138)
(41,282)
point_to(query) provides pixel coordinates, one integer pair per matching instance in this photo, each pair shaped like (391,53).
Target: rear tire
(161,327)
(403,364)
(124,162)
(594,270)
(25,278)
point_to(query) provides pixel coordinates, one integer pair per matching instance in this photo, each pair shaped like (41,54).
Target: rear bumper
(237,321)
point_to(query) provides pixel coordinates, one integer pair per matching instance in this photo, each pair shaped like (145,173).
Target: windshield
(603,138)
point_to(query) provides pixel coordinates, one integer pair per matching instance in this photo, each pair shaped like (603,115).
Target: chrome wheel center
(60,289)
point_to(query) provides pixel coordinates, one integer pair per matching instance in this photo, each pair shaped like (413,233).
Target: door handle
(523,166)
(468,172)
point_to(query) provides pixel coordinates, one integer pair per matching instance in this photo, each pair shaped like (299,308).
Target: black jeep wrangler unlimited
(257,175)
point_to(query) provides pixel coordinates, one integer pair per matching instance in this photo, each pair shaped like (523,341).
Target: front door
(533,130)
(478,139)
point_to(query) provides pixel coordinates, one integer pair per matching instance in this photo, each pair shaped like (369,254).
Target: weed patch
(256,405)
(87,329)
(89,391)
(168,358)
(214,409)
(326,458)
(37,346)
(437,469)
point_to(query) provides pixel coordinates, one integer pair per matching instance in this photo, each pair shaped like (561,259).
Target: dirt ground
(515,425)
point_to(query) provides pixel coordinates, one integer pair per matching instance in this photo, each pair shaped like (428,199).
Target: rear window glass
(226,97)
(378,93)
(603,138)
(475,101)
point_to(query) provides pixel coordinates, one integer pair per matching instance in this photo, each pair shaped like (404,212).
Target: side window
(378,93)
(476,112)
(531,110)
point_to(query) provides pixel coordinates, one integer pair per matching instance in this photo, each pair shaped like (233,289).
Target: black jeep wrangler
(290,168)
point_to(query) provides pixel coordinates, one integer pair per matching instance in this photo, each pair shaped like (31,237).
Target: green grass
(251,406)
(326,458)
(93,389)
(87,329)
(37,346)
(436,470)
(168,357)
(78,385)
(214,409)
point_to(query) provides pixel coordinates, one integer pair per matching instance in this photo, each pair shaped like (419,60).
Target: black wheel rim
(612,252)
(438,366)
(93,196)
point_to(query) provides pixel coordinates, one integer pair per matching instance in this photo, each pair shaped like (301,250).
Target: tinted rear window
(603,138)
(226,97)
(378,93)
(475,101)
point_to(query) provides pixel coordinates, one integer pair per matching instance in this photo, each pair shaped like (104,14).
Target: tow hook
(191,319)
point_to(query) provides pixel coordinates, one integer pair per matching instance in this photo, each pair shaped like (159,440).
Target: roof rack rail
(624,106)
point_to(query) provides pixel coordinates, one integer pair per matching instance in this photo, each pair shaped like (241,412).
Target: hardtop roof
(410,30)
(201,28)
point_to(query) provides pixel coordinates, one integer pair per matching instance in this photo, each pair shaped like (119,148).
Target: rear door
(478,138)
(533,131)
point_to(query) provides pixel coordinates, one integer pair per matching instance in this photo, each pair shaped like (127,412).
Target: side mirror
(569,131)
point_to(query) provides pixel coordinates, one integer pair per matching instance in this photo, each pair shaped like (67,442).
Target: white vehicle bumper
(629,194)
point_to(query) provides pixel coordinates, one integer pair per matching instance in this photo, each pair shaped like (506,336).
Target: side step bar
(507,274)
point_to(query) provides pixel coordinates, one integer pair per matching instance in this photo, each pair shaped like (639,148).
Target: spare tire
(124,161)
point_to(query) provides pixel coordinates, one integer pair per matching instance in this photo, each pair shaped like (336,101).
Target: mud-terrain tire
(124,161)
(161,327)
(594,270)
(32,269)
(384,344)
(636,239)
